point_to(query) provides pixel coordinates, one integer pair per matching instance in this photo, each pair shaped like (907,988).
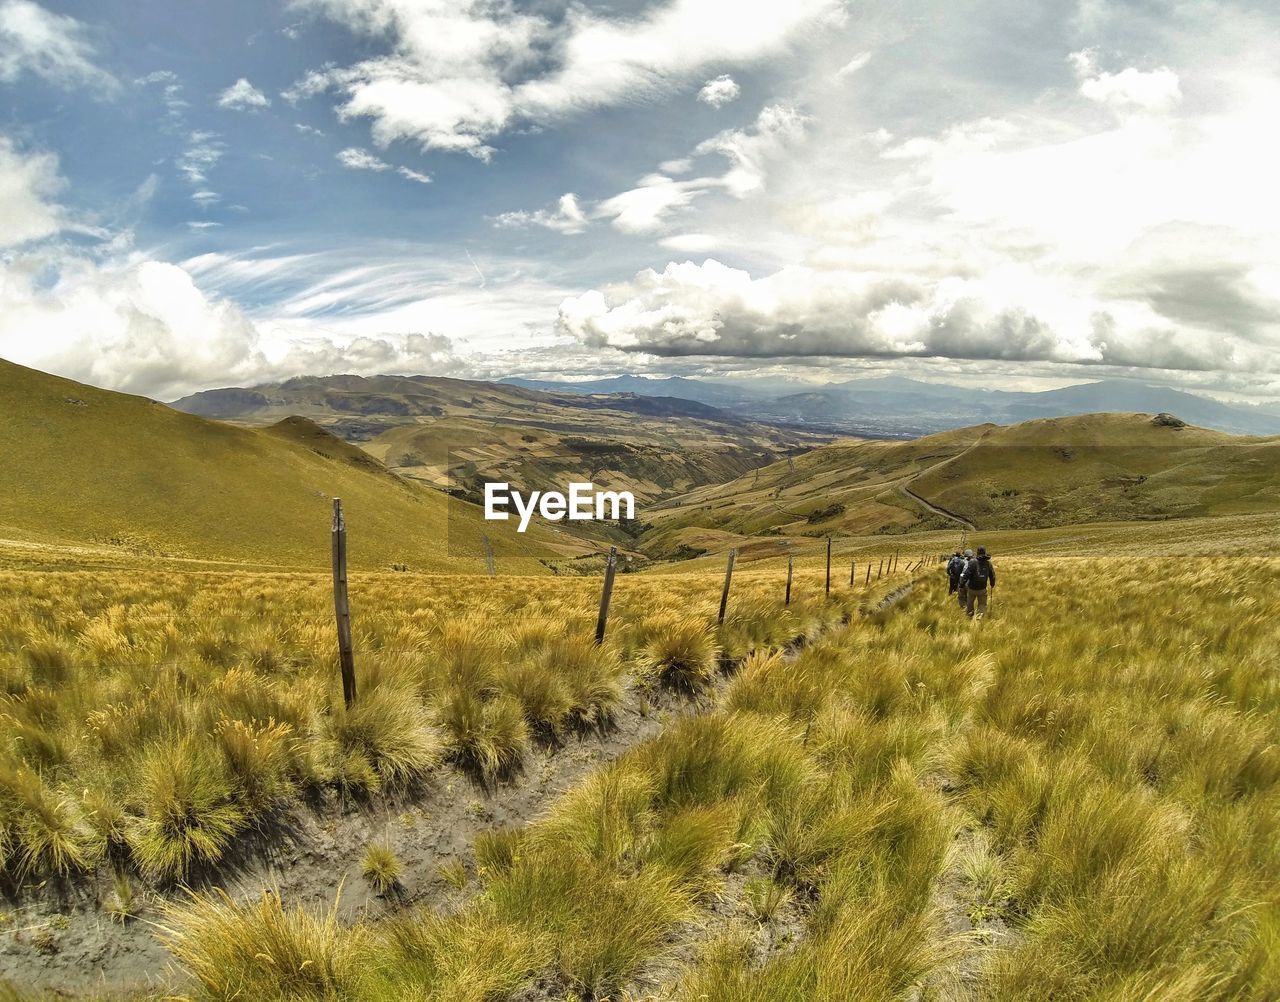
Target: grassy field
(1078,797)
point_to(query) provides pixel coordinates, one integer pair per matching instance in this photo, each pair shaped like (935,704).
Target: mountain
(457,434)
(898,407)
(126,478)
(1044,472)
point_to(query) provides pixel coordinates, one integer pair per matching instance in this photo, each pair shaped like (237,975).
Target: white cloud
(243,96)
(461,73)
(651,205)
(414,175)
(204,149)
(1152,90)
(853,65)
(52,46)
(28,183)
(719,91)
(567,217)
(308,130)
(690,243)
(354,158)
(1011,315)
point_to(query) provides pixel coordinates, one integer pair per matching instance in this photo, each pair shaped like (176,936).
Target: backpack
(979,571)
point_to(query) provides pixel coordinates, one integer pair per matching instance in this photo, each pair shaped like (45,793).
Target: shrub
(381,867)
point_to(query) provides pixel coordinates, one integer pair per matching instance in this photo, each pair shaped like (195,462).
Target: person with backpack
(962,592)
(978,575)
(954,568)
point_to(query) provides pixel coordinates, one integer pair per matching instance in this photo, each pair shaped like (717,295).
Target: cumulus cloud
(52,46)
(1151,90)
(567,217)
(243,96)
(460,74)
(719,91)
(715,310)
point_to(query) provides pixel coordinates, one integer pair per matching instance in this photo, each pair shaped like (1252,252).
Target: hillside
(1047,472)
(458,433)
(123,475)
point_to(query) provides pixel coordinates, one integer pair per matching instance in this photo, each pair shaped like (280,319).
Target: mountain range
(898,407)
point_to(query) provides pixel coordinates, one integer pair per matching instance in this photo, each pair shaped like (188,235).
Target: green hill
(1048,472)
(125,476)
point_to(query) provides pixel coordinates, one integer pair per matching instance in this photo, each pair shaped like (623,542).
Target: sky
(1007,193)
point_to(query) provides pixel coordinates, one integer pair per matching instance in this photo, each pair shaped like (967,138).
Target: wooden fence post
(853,570)
(341,607)
(790,571)
(728,578)
(868,581)
(880,569)
(606,594)
(488,555)
(828,567)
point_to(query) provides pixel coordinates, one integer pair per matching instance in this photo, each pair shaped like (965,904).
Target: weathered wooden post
(341,607)
(853,570)
(488,555)
(868,581)
(606,594)
(828,567)
(880,569)
(791,566)
(728,578)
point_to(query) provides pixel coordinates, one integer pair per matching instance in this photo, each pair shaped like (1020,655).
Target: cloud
(650,206)
(243,96)
(458,74)
(28,184)
(204,149)
(414,175)
(714,310)
(719,91)
(567,217)
(308,130)
(690,243)
(354,158)
(1153,90)
(51,46)
(853,65)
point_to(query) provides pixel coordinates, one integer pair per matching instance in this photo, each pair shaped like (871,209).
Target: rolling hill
(455,433)
(1041,473)
(116,476)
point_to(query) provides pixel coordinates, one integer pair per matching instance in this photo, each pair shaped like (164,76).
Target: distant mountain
(717,394)
(898,407)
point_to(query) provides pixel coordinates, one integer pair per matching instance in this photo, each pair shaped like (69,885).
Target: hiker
(954,566)
(961,591)
(978,575)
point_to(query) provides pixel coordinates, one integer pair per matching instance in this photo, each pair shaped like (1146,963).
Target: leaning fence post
(828,567)
(606,594)
(341,607)
(488,554)
(880,569)
(868,581)
(728,578)
(790,571)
